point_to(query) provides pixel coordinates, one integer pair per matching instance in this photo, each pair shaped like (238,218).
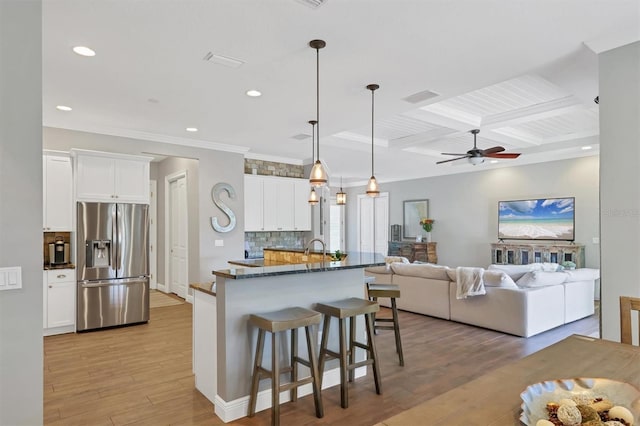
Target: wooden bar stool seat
(349,309)
(392,291)
(275,323)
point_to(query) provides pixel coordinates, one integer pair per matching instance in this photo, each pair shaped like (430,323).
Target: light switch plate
(11,278)
(595,240)
(219,243)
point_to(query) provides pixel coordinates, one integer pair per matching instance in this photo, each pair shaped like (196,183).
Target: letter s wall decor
(215,196)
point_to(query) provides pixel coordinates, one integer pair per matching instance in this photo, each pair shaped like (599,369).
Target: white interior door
(177,220)
(381,224)
(373,223)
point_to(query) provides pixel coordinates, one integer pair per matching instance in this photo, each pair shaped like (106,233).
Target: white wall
(214,167)
(619,180)
(465,206)
(21,211)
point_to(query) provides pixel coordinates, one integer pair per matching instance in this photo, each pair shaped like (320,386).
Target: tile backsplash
(270,168)
(254,242)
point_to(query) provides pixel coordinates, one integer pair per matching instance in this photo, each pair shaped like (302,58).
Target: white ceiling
(521,71)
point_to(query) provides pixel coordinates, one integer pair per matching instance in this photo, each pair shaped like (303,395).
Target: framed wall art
(412,212)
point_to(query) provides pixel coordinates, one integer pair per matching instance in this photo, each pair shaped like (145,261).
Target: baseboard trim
(238,408)
(161,287)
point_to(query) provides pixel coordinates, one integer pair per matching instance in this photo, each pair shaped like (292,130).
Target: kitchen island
(224,343)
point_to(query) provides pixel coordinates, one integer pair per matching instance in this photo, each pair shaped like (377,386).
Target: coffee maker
(59,252)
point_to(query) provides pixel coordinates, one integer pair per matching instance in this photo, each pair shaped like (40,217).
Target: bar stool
(342,310)
(392,291)
(282,321)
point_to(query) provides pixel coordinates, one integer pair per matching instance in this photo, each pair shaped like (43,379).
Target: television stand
(523,253)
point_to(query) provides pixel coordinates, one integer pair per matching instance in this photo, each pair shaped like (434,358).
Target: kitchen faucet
(310,244)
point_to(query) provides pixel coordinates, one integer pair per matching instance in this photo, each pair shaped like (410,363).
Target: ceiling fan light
(318,176)
(372,187)
(476,160)
(313,197)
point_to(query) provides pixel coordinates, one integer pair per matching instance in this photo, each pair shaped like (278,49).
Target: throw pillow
(498,279)
(391,259)
(541,279)
(515,271)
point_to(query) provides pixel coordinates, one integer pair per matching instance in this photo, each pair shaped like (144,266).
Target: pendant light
(372,185)
(313,196)
(318,176)
(341,196)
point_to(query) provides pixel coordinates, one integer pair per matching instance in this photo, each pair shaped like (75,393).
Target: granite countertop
(209,288)
(294,250)
(255,263)
(62,266)
(353,261)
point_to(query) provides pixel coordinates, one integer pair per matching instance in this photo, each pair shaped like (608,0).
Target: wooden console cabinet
(525,253)
(424,252)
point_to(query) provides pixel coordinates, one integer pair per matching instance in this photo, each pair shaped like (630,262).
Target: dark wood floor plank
(142,375)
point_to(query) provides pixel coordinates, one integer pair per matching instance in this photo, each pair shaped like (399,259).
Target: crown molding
(154,137)
(273,158)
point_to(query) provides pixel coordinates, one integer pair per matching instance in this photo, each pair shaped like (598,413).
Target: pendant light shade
(318,176)
(372,185)
(341,196)
(313,196)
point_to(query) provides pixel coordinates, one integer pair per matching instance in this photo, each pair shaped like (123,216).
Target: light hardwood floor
(141,375)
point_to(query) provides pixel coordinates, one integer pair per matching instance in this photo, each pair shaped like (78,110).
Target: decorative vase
(428,237)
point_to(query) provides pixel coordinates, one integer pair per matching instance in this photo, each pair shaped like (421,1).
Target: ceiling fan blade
(487,152)
(506,155)
(448,153)
(453,159)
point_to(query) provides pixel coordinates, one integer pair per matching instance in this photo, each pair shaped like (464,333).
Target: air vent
(300,136)
(416,98)
(313,4)
(223,60)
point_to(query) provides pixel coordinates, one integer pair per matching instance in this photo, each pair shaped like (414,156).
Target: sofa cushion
(378,270)
(541,279)
(498,279)
(425,270)
(582,274)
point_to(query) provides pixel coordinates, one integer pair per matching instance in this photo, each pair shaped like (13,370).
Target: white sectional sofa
(523,300)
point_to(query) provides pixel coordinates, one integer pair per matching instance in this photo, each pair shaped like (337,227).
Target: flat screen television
(537,219)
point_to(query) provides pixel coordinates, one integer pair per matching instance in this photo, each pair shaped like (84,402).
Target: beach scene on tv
(542,219)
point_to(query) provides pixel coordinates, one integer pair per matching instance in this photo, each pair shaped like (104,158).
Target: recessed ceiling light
(586,148)
(63,108)
(493,161)
(254,93)
(84,51)
(191,129)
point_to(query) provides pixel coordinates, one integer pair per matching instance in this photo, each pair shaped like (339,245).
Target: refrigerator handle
(115,261)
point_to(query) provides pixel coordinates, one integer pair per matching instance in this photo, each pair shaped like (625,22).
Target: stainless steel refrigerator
(112,265)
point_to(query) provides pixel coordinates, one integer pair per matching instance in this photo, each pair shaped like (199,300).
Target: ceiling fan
(477,156)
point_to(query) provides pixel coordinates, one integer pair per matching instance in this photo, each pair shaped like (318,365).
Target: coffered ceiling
(524,72)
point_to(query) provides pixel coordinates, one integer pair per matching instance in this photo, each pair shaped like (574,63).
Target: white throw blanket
(469,282)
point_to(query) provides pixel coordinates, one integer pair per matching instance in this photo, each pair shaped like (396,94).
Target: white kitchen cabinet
(284,199)
(269,205)
(301,207)
(253,203)
(273,203)
(111,177)
(59,297)
(57,202)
